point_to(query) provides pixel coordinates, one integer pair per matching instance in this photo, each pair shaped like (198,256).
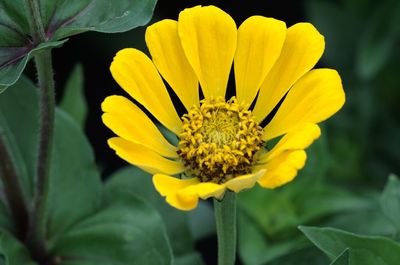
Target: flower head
(222,145)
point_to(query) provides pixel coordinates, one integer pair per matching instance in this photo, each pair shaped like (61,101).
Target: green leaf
(19,122)
(390,201)
(132,181)
(73,101)
(295,204)
(13,252)
(368,221)
(125,231)
(75,185)
(14,59)
(342,259)
(13,18)
(378,40)
(254,248)
(193,258)
(6,222)
(364,250)
(72,17)
(61,19)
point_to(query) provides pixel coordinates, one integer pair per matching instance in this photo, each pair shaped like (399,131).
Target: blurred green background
(347,167)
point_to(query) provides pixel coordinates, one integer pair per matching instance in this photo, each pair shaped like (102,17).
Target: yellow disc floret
(219,140)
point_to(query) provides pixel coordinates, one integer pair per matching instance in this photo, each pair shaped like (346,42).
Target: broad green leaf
(75,185)
(61,19)
(73,101)
(14,59)
(390,200)
(13,18)
(295,204)
(364,250)
(369,221)
(13,252)
(254,248)
(19,122)
(378,39)
(342,259)
(133,181)
(125,231)
(193,258)
(70,17)
(6,222)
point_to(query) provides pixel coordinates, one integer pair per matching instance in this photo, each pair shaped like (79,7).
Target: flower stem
(225,218)
(37,228)
(35,21)
(12,188)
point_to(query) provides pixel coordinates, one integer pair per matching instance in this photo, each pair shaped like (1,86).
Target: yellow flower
(221,143)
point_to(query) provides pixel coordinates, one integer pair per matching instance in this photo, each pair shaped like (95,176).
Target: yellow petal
(144,158)
(126,120)
(179,193)
(243,182)
(301,51)
(166,51)
(182,201)
(166,184)
(206,190)
(260,41)
(298,138)
(282,169)
(183,194)
(138,76)
(315,97)
(208,36)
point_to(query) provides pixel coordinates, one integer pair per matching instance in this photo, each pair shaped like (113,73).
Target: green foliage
(255,249)
(133,181)
(73,101)
(349,248)
(61,19)
(14,59)
(363,250)
(342,259)
(12,252)
(378,40)
(124,231)
(296,205)
(16,105)
(77,16)
(80,222)
(6,222)
(390,201)
(74,178)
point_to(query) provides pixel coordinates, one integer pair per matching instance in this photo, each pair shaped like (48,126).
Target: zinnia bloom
(222,145)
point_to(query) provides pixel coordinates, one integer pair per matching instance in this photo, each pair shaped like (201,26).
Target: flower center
(219,140)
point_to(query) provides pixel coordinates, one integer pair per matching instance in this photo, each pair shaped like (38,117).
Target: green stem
(12,188)
(37,236)
(35,21)
(225,218)
(43,61)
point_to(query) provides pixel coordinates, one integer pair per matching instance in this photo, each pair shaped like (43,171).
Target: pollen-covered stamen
(219,140)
